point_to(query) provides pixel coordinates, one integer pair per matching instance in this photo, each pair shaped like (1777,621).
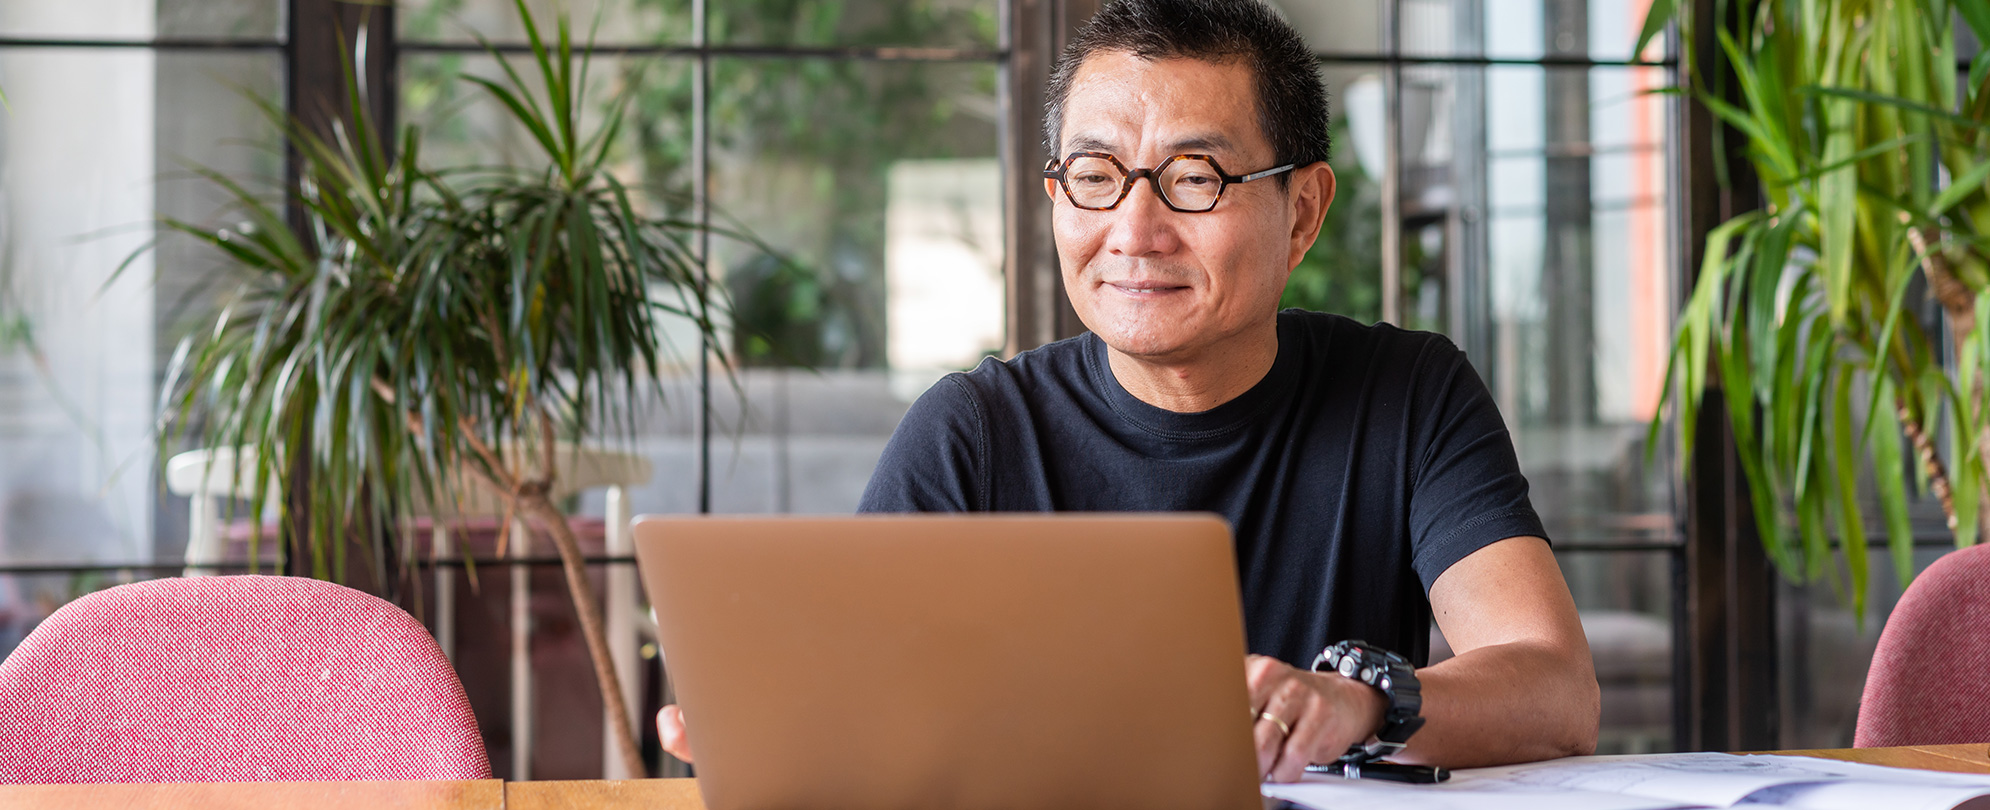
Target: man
(1367,476)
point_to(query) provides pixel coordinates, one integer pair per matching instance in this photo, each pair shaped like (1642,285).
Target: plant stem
(1931,461)
(529,497)
(1959,304)
(534,503)
(1954,296)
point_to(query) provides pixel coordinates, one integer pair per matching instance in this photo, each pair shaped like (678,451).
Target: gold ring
(1283,729)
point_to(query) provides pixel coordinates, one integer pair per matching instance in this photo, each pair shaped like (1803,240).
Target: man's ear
(1050,189)
(1312,192)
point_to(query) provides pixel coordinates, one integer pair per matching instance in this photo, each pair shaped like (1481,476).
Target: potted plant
(1872,162)
(435,330)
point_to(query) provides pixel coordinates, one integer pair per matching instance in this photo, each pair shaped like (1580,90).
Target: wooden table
(1970,758)
(641,794)
(682,794)
(646,794)
(483,794)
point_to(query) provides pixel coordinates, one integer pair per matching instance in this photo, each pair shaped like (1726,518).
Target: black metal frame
(1729,669)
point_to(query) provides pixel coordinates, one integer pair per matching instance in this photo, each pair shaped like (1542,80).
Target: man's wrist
(1391,680)
(1374,704)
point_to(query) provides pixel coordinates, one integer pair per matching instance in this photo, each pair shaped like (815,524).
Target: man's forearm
(1506,703)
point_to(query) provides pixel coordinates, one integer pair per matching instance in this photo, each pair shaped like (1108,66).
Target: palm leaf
(1851,115)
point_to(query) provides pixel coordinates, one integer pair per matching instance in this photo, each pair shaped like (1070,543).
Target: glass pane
(91,151)
(205,120)
(613,22)
(1343,271)
(26,599)
(1581,281)
(144,19)
(1563,294)
(1338,27)
(1604,30)
(462,124)
(666,432)
(1824,651)
(878,185)
(967,24)
(1441,155)
(793,440)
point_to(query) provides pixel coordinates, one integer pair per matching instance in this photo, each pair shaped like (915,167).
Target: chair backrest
(233,679)
(1927,683)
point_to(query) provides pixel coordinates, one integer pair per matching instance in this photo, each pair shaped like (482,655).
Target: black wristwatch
(1388,672)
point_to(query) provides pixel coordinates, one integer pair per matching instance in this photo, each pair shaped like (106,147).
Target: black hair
(1291,98)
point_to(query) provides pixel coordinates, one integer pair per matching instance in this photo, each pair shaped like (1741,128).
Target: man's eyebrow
(1087,143)
(1194,143)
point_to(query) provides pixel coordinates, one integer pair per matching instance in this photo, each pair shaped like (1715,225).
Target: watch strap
(1395,677)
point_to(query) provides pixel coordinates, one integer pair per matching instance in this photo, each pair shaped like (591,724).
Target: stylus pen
(1386,771)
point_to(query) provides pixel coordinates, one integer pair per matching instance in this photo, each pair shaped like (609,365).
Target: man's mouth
(1146,288)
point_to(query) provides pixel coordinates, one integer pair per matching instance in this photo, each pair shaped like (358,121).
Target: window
(109,103)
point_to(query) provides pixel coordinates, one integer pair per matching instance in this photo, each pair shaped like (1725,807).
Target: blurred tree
(1342,273)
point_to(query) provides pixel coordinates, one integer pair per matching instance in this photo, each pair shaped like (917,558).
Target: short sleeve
(933,461)
(1467,491)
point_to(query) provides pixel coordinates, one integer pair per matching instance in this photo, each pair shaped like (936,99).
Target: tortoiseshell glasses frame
(1184,164)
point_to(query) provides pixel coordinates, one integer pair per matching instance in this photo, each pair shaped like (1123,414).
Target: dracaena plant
(432,330)
(1872,151)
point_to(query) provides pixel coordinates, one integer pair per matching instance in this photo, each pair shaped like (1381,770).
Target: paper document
(1658,781)
(1323,792)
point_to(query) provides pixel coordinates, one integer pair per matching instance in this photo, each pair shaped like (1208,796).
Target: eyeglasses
(1191,184)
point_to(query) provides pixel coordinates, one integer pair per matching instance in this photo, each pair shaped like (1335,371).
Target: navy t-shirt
(1366,462)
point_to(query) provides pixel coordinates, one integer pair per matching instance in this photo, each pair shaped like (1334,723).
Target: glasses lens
(1192,184)
(1093,182)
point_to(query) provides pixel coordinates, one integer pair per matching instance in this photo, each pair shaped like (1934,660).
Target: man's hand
(670,727)
(1326,713)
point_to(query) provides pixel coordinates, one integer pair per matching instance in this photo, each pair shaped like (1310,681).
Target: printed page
(1321,792)
(1725,779)
(1863,794)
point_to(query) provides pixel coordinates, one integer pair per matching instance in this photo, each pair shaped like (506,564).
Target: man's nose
(1142,224)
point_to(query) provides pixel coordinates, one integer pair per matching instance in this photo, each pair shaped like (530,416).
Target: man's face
(1159,284)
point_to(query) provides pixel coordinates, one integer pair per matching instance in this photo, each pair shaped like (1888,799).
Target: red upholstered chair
(233,679)
(1928,683)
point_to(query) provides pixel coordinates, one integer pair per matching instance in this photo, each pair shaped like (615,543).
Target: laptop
(967,661)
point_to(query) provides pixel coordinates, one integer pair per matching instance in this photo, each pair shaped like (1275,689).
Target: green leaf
(1845,470)
(1976,14)
(1963,480)
(1837,205)
(1876,150)
(1890,477)
(1979,71)
(1969,182)
(1908,105)
(1656,17)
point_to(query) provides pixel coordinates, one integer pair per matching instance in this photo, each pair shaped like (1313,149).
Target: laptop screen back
(956,661)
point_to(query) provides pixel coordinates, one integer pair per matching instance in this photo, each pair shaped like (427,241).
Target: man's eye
(1091,178)
(1195,180)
